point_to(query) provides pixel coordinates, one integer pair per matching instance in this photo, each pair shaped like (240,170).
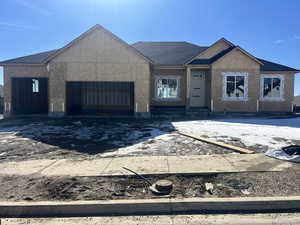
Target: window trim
(177,78)
(227,74)
(272,99)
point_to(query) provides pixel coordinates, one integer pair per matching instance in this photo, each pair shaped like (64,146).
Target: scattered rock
(28,199)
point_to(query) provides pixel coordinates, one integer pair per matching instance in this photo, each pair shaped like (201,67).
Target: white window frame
(177,78)
(227,74)
(272,99)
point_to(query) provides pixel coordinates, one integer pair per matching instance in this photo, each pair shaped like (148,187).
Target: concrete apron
(149,207)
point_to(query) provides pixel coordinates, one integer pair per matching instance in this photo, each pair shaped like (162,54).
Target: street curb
(149,207)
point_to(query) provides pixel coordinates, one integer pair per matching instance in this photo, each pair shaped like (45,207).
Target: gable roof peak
(92,29)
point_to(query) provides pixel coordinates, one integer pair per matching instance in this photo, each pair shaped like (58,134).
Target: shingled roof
(212,59)
(169,53)
(38,58)
(161,53)
(270,66)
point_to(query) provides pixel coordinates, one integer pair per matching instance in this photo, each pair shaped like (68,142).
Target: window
(167,87)
(235,86)
(35,86)
(272,87)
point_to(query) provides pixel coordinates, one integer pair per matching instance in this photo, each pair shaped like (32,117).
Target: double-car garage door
(30,95)
(100,97)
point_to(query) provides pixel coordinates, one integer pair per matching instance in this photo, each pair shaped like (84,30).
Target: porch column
(188,84)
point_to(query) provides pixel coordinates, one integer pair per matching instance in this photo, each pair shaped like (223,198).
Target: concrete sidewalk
(202,164)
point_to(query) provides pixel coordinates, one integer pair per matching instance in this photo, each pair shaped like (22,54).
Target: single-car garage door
(29,95)
(100,97)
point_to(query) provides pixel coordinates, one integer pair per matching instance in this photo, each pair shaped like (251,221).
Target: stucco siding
(181,73)
(213,50)
(101,57)
(235,61)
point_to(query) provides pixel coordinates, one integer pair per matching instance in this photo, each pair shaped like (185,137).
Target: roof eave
(221,39)
(281,71)
(243,51)
(22,64)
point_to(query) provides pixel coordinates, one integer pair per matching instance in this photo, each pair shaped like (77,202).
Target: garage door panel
(29,95)
(100,96)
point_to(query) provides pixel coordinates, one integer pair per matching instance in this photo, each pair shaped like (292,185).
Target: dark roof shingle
(161,53)
(270,66)
(212,59)
(169,53)
(38,58)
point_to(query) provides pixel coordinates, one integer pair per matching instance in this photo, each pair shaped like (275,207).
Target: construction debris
(210,141)
(289,153)
(140,176)
(209,187)
(162,187)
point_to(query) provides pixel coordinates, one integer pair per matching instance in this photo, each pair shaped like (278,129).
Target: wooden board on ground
(210,141)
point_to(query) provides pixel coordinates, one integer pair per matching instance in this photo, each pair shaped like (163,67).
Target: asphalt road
(227,219)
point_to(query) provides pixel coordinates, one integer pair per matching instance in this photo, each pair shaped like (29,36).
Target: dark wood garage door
(100,97)
(29,95)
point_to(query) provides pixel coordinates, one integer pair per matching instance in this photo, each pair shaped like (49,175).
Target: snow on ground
(271,132)
(27,139)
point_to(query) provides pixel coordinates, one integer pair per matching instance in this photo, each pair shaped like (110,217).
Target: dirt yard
(23,139)
(16,188)
(43,138)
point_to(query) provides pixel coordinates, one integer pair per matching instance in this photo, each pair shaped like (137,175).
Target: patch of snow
(251,131)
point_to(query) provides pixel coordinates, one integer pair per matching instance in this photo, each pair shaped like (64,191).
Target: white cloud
(14,25)
(34,7)
(296,36)
(279,41)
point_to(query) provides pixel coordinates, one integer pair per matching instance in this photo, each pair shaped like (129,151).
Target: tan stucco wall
(236,61)
(181,73)
(19,71)
(213,50)
(100,57)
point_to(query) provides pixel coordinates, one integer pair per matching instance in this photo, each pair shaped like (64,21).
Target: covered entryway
(100,97)
(29,95)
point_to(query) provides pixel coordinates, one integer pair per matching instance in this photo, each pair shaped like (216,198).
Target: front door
(197,89)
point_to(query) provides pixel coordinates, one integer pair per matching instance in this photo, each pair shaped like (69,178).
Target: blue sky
(268,29)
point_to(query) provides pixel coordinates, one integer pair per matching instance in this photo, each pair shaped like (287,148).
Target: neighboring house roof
(169,53)
(1,91)
(296,100)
